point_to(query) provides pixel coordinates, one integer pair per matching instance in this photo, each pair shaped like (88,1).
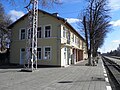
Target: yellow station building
(59,44)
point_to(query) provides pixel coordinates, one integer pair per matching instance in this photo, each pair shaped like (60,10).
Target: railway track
(116,57)
(113,70)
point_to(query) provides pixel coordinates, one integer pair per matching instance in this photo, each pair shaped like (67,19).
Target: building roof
(55,16)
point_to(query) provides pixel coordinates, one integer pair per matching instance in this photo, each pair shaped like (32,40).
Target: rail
(116,57)
(114,72)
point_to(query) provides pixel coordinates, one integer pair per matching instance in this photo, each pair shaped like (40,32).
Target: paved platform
(74,77)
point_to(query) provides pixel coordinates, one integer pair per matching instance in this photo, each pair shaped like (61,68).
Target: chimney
(55,14)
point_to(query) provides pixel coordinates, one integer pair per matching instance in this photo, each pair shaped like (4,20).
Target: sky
(70,10)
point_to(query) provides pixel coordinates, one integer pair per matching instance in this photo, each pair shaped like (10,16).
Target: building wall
(52,41)
(65,49)
(74,44)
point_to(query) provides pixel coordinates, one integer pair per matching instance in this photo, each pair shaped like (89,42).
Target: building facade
(58,42)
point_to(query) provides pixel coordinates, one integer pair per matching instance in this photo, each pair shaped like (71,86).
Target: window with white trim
(73,37)
(47,53)
(22,34)
(30,33)
(64,32)
(65,52)
(47,31)
(76,39)
(39,53)
(68,35)
(39,34)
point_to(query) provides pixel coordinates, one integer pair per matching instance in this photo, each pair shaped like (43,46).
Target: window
(22,34)
(39,53)
(39,32)
(47,53)
(73,37)
(47,31)
(78,41)
(22,50)
(69,35)
(30,33)
(65,52)
(64,32)
(83,45)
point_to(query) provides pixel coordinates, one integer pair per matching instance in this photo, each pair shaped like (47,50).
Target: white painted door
(65,56)
(22,56)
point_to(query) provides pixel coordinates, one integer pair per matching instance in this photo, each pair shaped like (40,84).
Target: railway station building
(59,44)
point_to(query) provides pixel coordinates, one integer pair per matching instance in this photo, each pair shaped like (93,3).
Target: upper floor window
(30,33)
(64,32)
(47,53)
(83,45)
(47,31)
(22,34)
(68,35)
(73,38)
(78,41)
(39,34)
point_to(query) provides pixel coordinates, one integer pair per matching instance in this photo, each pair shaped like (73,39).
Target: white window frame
(41,53)
(76,39)
(28,32)
(65,30)
(45,58)
(50,30)
(73,40)
(78,42)
(21,35)
(41,31)
(68,35)
(65,52)
(71,37)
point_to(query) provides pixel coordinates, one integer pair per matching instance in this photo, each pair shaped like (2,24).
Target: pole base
(27,70)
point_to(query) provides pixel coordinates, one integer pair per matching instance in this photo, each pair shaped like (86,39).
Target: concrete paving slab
(74,77)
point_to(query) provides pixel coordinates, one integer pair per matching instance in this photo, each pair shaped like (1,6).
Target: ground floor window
(39,53)
(65,52)
(47,53)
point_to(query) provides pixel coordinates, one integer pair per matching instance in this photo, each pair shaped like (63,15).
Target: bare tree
(95,25)
(4,32)
(44,3)
(5,19)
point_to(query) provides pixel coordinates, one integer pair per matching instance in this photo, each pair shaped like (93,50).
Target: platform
(74,77)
